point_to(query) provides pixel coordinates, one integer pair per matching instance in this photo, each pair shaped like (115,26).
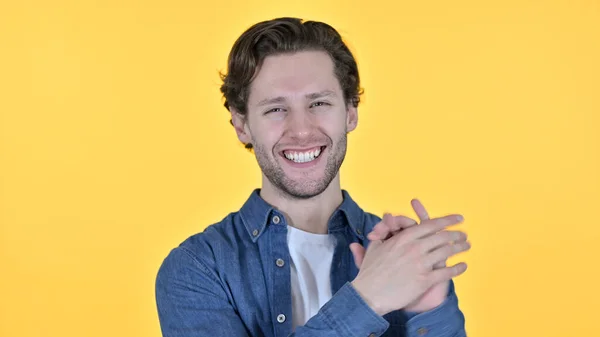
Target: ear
(240,125)
(351,117)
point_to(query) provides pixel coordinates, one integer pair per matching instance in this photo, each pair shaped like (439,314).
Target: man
(293,260)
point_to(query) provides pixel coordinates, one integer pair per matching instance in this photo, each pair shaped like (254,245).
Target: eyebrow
(310,96)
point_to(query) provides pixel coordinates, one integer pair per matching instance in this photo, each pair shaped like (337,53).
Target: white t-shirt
(311,256)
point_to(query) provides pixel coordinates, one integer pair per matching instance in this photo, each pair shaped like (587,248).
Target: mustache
(303,143)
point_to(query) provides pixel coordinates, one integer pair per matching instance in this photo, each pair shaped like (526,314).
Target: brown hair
(285,35)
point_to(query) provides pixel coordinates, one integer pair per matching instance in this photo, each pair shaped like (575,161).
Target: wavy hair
(280,36)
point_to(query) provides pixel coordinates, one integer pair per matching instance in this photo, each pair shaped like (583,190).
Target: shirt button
(255,232)
(358,232)
(281,318)
(422,331)
(279,262)
(276,219)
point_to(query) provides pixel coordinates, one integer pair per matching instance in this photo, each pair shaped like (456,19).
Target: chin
(302,188)
(299,180)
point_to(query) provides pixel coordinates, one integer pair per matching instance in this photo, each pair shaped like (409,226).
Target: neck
(310,215)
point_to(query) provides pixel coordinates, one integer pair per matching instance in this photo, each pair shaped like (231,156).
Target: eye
(315,104)
(273,110)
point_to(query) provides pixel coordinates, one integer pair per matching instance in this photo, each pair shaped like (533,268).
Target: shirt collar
(256,214)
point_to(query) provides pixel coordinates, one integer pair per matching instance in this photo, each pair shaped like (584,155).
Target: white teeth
(303,157)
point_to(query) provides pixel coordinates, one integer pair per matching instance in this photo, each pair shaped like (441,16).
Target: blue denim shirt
(225,282)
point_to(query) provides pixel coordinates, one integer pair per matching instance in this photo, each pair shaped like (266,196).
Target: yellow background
(115,147)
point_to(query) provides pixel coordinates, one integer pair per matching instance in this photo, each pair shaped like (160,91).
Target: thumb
(358,252)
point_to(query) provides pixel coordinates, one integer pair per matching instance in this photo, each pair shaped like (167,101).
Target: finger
(446,274)
(443,253)
(358,252)
(419,209)
(442,264)
(431,226)
(400,222)
(382,230)
(439,265)
(440,239)
(389,226)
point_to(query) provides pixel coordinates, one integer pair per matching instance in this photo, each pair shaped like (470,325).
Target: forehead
(292,75)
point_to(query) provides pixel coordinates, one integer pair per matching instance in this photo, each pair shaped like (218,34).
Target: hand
(388,226)
(396,273)
(435,295)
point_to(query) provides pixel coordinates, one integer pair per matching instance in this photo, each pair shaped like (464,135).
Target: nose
(300,123)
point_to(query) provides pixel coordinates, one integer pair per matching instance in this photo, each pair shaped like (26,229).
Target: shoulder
(202,251)
(222,235)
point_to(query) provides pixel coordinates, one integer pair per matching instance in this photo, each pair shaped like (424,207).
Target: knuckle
(451,219)
(456,270)
(447,236)
(441,223)
(444,252)
(458,247)
(450,272)
(394,226)
(449,250)
(380,225)
(453,236)
(439,238)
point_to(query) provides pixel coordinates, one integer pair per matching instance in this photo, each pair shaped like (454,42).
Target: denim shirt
(230,281)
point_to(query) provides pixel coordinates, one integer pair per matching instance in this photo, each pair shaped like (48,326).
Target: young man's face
(297,122)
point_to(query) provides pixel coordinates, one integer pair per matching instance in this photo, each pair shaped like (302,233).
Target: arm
(446,320)
(191,302)
(436,313)
(347,314)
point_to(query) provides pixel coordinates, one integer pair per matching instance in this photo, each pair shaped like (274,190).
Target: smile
(303,156)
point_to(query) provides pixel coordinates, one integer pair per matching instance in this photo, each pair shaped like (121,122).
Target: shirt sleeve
(350,315)
(446,320)
(191,302)
(345,314)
